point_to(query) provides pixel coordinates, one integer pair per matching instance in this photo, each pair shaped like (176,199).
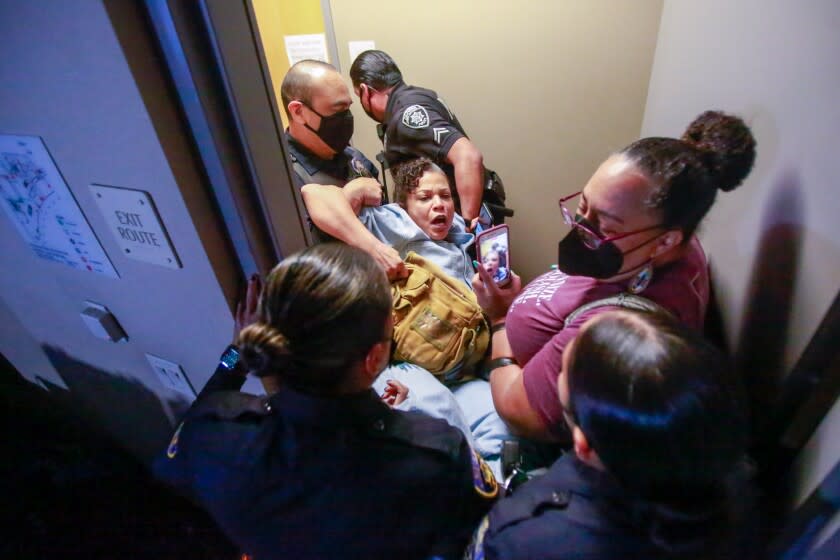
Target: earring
(641,280)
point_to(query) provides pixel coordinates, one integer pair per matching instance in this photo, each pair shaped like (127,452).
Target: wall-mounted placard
(302,47)
(136,225)
(44,211)
(358,47)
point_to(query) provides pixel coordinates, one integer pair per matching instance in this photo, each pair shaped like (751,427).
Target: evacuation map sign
(39,203)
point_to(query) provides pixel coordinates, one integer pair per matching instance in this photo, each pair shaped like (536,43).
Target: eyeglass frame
(594,239)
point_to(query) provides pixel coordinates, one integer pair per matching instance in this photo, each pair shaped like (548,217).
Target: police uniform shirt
(573,511)
(346,166)
(418,123)
(296,476)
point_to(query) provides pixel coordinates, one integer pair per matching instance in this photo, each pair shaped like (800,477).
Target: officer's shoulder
(414,93)
(540,496)
(222,418)
(231,405)
(425,432)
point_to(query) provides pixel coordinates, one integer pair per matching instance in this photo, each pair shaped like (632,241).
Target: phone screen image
(494,253)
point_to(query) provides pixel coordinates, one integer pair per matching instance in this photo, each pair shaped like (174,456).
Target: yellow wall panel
(275,20)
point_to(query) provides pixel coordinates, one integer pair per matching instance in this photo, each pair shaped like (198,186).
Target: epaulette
(510,511)
(222,405)
(230,405)
(549,491)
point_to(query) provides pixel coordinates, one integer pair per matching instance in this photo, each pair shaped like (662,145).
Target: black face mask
(335,130)
(576,259)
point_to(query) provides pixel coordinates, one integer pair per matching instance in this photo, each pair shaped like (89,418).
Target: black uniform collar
(365,408)
(392,100)
(313,164)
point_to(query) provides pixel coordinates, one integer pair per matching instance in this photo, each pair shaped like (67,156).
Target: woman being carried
(422,220)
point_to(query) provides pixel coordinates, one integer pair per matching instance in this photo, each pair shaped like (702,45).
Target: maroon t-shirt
(535,318)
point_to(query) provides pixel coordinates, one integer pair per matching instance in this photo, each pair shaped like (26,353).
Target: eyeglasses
(591,238)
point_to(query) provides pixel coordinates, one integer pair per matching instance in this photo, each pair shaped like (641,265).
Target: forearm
(507,385)
(468,180)
(469,176)
(331,212)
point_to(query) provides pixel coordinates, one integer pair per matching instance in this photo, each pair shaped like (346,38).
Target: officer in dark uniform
(317,104)
(659,436)
(416,122)
(321,467)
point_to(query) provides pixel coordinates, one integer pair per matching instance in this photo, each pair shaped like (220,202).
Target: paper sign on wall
(358,47)
(136,226)
(39,203)
(302,47)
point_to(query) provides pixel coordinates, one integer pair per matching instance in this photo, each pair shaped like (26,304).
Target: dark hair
(321,311)
(716,151)
(297,83)
(660,406)
(376,69)
(407,176)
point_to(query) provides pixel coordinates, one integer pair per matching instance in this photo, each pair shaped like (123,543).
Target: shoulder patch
(172,450)
(415,116)
(484,480)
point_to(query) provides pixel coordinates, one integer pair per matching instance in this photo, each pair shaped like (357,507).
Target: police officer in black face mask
(317,103)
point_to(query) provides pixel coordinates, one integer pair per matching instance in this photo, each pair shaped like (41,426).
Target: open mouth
(439,220)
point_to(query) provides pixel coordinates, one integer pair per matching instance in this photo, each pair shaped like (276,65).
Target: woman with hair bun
(632,231)
(321,467)
(659,434)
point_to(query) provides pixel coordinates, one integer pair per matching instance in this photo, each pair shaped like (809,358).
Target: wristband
(497,327)
(496,363)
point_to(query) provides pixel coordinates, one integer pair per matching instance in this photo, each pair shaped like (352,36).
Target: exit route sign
(136,225)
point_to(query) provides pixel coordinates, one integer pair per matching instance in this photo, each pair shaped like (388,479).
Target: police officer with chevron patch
(415,122)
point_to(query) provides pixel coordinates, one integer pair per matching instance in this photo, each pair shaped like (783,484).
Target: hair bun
(728,145)
(264,349)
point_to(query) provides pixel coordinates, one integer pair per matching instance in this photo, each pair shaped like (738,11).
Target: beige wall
(546,89)
(776,64)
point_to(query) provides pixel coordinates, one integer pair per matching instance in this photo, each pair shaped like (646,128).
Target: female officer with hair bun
(632,231)
(321,467)
(658,435)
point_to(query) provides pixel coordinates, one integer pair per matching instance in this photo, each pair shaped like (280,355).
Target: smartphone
(493,252)
(485,219)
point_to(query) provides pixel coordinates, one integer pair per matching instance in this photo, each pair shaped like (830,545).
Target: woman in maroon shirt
(633,231)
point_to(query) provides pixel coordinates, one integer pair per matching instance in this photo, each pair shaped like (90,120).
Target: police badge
(415,117)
